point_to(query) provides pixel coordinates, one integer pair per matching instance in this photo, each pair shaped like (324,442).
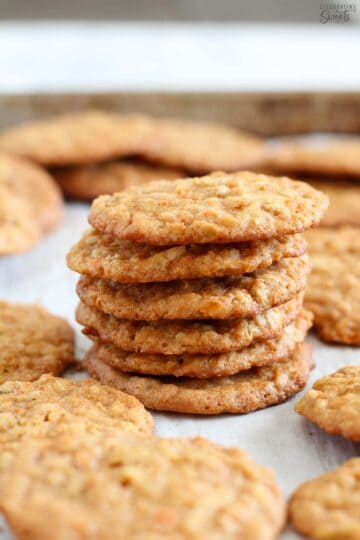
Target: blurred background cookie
(86,182)
(92,149)
(30,204)
(33,342)
(329,157)
(333,291)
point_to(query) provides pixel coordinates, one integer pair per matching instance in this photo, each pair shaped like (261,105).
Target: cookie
(219,298)
(328,507)
(344,208)
(104,256)
(52,406)
(333,291)
(32,342)
(205,366)
(241,393)
(333,403)
(86,182)
(36,187)
(19,232)
(201,147)
(218,208)
(341,240)
(30,204)
(178,337)
(79,138)
(339,156)
(161,488)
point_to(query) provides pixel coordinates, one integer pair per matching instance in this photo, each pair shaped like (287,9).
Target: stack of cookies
(192,291)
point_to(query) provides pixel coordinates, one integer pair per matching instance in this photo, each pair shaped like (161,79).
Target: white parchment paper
(276,437)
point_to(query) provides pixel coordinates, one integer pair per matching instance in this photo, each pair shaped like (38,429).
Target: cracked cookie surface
(52,406)
(219,208)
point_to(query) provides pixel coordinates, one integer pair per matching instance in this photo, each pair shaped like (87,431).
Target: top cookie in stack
(200,280)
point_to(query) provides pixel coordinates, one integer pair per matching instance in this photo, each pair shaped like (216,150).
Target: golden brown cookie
(219,298)
(343,240)
(328,507)
(333,403)
(344,207)
(333,291)
(131,487)
(241,393)
(30,204)
(86,182)
(201,147)
(339,156)
(32,342)
(19,231)
(178,337)
(78,138)
(36,187)
(52,406)
(104,256)
(205,366)
(218,208)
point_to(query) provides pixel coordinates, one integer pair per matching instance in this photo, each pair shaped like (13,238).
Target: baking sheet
(276,437)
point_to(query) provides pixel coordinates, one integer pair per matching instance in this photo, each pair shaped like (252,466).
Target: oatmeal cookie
(78,138)
(344,207)
(19,232)
(35,187)
(33,342)
(241,393)
(160,488)
(333,291)
(86,182)
(52,406)
(220,298)
(205,366)
(333,403)
(201,147)
(328,507)
(340,156)
(105,256)
(218,208)
(178,337)
(30,204)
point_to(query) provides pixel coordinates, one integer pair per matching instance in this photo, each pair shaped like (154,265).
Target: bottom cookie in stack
(255,377)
